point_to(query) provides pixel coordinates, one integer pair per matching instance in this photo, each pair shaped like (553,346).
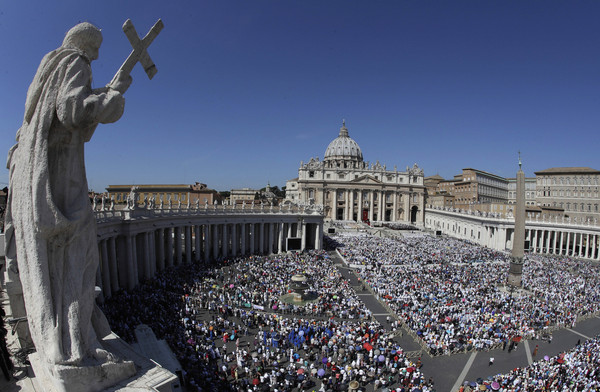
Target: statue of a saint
(51,227)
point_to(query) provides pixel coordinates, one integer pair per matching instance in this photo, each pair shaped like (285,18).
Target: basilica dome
(343,147)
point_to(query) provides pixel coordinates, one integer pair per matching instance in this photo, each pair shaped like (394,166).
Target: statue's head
(85,37)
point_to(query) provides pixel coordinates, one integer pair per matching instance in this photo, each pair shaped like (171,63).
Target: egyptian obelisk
(516,263)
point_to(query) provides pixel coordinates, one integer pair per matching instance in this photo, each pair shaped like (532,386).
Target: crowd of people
(576,370)
(451,293)
(230,331)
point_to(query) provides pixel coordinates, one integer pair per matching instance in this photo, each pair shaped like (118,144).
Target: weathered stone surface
(51,244)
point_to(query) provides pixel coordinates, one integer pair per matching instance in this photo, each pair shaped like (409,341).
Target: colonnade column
(371,196)
(253,237)
(280,237)
(271,238)
(351,206)
(178,256)
(394,216)
(334,204)
(261,236)
(380,207)
(206,243)
(580,253)
(303,240)
(188,244)
(562,234)
(106,286)
(215,237)
(234,240)
(197,242)
(568,244)
(360,206)
(132,278)
(169,247)
(587,245)
(114,273)
(225,240)
(319,236)
(243,239)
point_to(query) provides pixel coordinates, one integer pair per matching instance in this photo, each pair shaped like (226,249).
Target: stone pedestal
(61,378)
(136,373)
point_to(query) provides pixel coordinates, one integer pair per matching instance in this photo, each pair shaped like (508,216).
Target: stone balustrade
(545,235)
(138,240)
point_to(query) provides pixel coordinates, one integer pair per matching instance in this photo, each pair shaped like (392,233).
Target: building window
(311,174)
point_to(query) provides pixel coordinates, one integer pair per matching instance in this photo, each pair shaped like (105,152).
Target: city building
(530,187)
(166,193)
(479,187)
(572,189)
(351,189)
(254,196)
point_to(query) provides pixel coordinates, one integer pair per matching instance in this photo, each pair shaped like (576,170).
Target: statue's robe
(50,226)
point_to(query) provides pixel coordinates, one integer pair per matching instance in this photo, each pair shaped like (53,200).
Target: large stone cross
(139,52)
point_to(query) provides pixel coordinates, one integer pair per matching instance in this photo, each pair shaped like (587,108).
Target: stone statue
(51,234)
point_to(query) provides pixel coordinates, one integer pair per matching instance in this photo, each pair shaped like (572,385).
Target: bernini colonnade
(552,235)
(136,244)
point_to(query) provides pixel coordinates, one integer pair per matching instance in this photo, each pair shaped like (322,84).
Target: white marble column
(207,243)
(567,253)
(132,279)
(271,238)
(197,242)
(114,272)
(334,192)
(146,260)
(351,206)
(178,252)
(587,245)
(261,236)
(225,240)
(280,238)
(243,239)
(371,205)
(253,237)
(169,232)
(188,244)
(580,253)
(562,234)
(216,232)
(319,236)
(303,240)
(106,284)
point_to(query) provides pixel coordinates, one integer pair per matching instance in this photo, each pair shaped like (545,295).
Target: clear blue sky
(246,90)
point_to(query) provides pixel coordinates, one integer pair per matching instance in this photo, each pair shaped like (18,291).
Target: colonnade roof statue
(50,227)
(343,147)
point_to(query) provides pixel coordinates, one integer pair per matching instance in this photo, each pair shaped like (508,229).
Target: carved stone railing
(532,220)
(112,213)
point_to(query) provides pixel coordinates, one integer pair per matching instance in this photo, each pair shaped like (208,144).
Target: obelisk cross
(139,52)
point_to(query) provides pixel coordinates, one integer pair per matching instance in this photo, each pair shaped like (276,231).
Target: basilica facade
(351,189)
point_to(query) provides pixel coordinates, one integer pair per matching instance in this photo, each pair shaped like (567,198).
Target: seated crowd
(576,370)
(451,293)
(229,330)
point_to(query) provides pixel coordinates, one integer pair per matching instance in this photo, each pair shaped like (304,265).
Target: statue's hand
(122,83)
